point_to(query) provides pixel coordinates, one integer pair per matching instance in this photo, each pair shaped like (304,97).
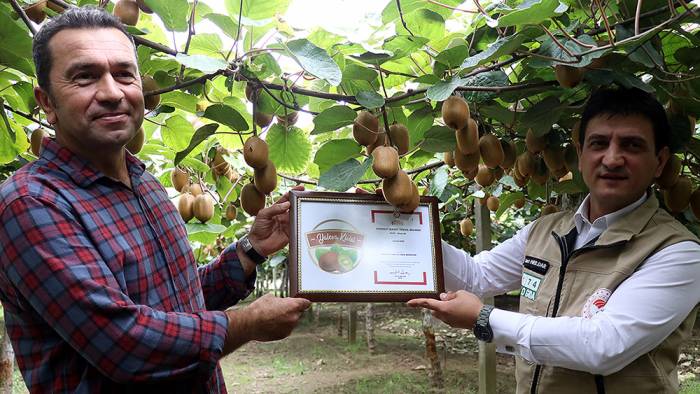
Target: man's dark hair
(73,18)
(626,102)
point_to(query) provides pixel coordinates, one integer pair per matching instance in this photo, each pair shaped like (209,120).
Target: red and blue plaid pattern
(100,287)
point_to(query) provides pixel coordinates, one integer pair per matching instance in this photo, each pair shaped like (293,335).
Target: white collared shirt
(625,329)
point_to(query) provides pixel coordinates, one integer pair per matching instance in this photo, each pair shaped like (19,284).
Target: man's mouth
(612,177)
(111,116)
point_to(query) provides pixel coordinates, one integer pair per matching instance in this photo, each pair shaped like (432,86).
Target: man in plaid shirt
(99,284)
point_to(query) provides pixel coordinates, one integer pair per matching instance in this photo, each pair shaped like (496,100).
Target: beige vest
(591,274)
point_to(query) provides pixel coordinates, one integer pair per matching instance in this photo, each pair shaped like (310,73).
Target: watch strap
(482,328)
(250,251)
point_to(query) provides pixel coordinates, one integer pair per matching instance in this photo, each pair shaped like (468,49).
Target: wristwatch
(250,251)
(482,328)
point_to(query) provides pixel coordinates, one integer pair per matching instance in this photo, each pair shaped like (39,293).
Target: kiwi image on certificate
(335,246)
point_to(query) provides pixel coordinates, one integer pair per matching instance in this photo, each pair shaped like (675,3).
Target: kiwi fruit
(288,120)
(262,119)
(380,141)
(534,143)
(567,76)
(455,112)
(231,212)
(255,152)
(179,179)
(127,11)
(492,203)
(35,12)
(35,139)
(413,203)
(449,159)
(468,137)
(471,173)
(136,144)
(509,153)
(498,173)
(554,158)
(149,84)
(250,92)
(397,189)
(547,209)
(185,206)
(265,178)
(386,161)
(521,181)
(219,165)
(677,197)
(571,158)
(365,128)
(484,176)
(55,7)
(143,7)
(232,175)
(526,164)
(541,174)
(491,150)
(466,162)
(519,203)
(466,227)
(252,201)
(195,189)
(695,203)
(203,207)
(398,134)
(670,173)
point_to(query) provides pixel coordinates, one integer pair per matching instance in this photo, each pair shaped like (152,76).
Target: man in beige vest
(608,292)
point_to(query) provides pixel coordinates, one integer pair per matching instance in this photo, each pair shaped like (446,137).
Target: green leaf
(420,121)
(226,24)
(490,78)
(506,200)
(444,89)
(202,63)
(402,46)
(345,175)
(643,52)
(15,44)
(333,118)
(13,141)
(290,149)
(453,57)
(179,99)
(530,12)
(226,115)
(391,11)
(501,47)
(177,132)
(199,136)
(439,139)
(370,99)
(173,13)
(194,228)
(336,151)
(206,44)
(424,23)
(542,116)
(257,10)
(315,61)
(440,181)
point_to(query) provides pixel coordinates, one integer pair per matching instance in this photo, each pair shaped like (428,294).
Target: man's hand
(268,318)
(270,230)
(459,309)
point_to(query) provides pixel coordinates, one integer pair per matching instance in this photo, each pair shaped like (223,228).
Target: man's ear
(663,156)
(43,98)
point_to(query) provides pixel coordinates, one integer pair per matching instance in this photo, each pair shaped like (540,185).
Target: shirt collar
(581,215)
(80,170)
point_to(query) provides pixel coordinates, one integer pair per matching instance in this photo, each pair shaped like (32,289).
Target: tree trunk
(7,362)
(352,323)
(369,328)
(341,317)
(435,370)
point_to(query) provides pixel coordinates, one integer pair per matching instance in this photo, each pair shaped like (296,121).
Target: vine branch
(23,15)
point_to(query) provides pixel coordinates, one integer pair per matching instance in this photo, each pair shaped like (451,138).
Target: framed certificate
(357,247)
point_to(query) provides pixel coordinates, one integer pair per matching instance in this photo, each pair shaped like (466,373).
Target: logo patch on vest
(596,303)
(531,284)
(535,264)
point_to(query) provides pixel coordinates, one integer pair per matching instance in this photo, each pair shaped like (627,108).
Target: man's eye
(83,77)
(124,75)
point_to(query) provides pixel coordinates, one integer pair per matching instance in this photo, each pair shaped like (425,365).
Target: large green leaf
(15,44)
(370,99)
(501,47)
(424,23)
(443,89)
(345,175)
(225,23)
(256,9)
(199,136)
(391,11)
(491,78)
(173,13)
(177,132)
(202,63)
(179,99)
(542,116)
(506,200)
(439,139)
(420,121)
(227,115)
(13,141)
(333,118)
(290,149)
(440,181)
(336,151)
(531,12)
(315,60)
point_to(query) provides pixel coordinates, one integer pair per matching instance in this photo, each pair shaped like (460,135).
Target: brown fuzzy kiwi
(185,206)
(534,143)
(571,158)
(695,203)
(250,92)
(519,203)
(35,12)
(288,120)
(677,197)
(554,158)
(398,190)
(498,173)
(365,128)
(148,84)
(526,164)
(509,153)
(380,141)
(468,138)
(127,11)
(252,201)
(55,7)
(195,189)
(449,159)
(232,175)
(179,179)
(467,162)
(231,212)
(265,178)
(541,174)
(484,176)
(466,227)
(568,76)
(455,112)
(262,119)
(576,133)
(203,207)
(143,7)
(547,209)
(386,161)
(521,181)
(413,203)
(670,173)
(471,173)
(491,150)
(219,165)
(255,152)
(136,144)
(35,139)
(398,134)
(482,200)
(492,203)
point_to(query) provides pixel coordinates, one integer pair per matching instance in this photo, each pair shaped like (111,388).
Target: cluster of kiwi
(263,119)
(256,155)
(128,11)
(148,84)
(677,189)
(36,12)
(193,202)
(35,140)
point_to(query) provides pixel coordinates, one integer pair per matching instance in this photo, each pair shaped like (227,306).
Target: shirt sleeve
(224,282)
(667,283)
(490,272)
(55,269)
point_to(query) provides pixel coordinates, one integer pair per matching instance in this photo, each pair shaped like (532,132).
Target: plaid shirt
(100,287)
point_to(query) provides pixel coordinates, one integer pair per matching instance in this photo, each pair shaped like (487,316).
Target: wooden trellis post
(487,351)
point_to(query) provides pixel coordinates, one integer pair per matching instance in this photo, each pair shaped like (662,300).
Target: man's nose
(613,157)
(108,90)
